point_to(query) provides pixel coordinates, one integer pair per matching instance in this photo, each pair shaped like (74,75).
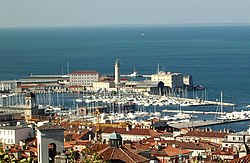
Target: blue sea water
(216,56)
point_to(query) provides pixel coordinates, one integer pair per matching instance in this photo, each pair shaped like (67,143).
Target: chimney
(127,128)
(90,136)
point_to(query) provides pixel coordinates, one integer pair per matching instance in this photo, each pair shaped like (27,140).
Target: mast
(221,102)
(68,67)
(158,68)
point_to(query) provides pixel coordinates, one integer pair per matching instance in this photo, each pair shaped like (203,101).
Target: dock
(200,123)
(193,112)
(199,102)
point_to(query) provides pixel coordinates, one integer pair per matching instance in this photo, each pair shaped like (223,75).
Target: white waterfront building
(83,78)
(170,79)
(103,85)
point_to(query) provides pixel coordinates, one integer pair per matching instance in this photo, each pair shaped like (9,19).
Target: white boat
(134,74)
(182,116)
(79,100)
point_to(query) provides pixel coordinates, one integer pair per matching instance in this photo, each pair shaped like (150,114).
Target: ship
(133,74)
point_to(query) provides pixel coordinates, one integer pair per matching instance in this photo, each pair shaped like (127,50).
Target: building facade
(10,135)
(83,78)
(171,80)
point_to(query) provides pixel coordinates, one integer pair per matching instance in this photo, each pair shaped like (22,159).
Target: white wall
(13,136)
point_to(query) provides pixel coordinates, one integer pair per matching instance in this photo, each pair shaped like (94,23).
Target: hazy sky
(109,12)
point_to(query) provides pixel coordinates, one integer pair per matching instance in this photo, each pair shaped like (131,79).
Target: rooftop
(196,133)
(50,126)
(84,72)
(13,127)
(135,131)
(123,154)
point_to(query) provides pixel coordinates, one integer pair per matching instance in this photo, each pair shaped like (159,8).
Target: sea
(217,57)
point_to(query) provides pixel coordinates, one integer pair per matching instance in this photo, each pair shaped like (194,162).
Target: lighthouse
(117,72)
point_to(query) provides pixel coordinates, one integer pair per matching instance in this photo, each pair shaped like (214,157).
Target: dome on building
(115,140)
(115,136)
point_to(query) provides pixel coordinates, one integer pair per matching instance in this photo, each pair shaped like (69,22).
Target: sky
(29,13)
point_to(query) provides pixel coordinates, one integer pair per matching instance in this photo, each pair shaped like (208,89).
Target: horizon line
(131,25)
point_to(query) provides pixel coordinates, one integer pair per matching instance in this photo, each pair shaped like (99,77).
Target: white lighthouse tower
(117,73)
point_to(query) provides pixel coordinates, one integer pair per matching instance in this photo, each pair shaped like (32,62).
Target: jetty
(199,102)
(194,112)
(200,123)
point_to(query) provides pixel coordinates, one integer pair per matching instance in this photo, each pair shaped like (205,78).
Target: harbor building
(83,78)
(107,85)
(146,87)
(170,79)
(37,84)
(188,82)
(8,85)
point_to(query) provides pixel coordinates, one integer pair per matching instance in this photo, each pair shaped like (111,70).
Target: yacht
(134,74)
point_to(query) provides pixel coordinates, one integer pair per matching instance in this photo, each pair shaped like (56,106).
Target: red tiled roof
(206,134)
(67,145)
(76,136)
(84,72)
(25,155)
(137,147)
(170,151)
(244,159)
(123,154)
(98,147)
(227,151)
(135,131)
(33,149)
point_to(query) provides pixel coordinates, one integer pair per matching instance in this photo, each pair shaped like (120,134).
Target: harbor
(112,99)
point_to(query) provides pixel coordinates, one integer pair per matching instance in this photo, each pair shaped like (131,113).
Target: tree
(95,158)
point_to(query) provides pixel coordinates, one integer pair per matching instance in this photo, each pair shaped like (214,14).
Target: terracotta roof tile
(206,134)
(135,131)
(227,151)
(123,154)
(170,151)
(98,147)
(244,159)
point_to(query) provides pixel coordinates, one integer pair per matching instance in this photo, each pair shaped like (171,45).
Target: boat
(134,74)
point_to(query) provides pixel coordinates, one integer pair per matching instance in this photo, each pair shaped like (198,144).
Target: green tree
(95,158)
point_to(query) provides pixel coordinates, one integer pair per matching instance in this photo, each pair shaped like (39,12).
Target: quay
(200,123)
(199,102)
(193,112)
